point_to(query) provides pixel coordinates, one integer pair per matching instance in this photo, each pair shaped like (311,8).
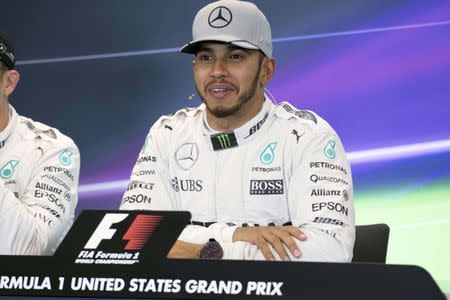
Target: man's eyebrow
(230,47)
(204,48)
(234,47)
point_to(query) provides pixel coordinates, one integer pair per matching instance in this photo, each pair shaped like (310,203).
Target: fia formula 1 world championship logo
(137,236)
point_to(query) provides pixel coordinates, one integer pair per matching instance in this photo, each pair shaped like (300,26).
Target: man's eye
(204,58)
(236,57)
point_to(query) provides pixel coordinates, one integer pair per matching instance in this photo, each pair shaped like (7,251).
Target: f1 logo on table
(137,235)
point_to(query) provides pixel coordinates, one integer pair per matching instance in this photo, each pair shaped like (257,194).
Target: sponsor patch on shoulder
(306,115)
(303,114)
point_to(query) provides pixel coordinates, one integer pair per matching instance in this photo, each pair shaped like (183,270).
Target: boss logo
(266,187)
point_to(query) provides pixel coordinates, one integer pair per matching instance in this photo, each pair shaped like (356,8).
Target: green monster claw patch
(224,140)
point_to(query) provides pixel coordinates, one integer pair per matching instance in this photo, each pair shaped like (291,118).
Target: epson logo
(190,185)
(51,198)
(266,187)
(330,206)
(137,199)
(137,234)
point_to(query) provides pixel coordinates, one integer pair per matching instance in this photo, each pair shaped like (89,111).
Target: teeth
(219,90)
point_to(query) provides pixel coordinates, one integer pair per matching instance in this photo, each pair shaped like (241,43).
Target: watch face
(212,250)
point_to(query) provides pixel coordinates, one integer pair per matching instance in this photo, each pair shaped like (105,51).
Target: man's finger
(265,250)
(290,243)
(296,232)
(276,243)
(287,238)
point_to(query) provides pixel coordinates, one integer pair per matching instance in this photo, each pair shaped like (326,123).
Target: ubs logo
(220,17)
(186,156)
(187,185)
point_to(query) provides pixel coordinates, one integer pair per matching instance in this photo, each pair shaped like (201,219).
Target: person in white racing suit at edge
(261,180)
(39,170)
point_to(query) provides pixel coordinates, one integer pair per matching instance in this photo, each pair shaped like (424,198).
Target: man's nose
(219,69)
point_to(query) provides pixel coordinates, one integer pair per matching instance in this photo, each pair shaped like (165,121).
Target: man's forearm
(319,246)
(185,250)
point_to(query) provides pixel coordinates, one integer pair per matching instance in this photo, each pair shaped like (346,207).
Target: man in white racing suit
(264,181)
(39,169)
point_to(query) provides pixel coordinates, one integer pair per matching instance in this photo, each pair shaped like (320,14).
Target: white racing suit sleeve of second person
(320,196)
(36,223)
(150,186)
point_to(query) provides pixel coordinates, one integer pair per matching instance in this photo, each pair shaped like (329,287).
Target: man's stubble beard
(223,112)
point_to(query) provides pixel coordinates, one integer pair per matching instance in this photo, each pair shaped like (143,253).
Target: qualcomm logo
(268,154)
(186,156)
(65,157)
(329,149)
(8,169)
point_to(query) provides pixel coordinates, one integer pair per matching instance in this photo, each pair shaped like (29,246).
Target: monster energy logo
(223,141)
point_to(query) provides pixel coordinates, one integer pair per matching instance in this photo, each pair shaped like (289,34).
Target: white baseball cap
(231,21)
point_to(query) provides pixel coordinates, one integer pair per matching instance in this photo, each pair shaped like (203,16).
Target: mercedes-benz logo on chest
(186,156)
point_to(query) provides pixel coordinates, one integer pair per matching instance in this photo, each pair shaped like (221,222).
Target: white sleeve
(221,232)
(320,202)
(36,223)
(150,187)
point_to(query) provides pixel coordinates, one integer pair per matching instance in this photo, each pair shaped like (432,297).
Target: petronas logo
(8,169)
(268,154)
(329,149)
(224,141)
(65,157)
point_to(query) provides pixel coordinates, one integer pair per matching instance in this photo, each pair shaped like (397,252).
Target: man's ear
(267,70)
(9,82)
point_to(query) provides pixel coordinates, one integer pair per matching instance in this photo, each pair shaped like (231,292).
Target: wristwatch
(211,250)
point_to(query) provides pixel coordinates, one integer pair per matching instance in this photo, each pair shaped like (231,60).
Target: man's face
(227,77)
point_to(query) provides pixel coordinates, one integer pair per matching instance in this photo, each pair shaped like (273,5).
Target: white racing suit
(284,166)
(39,169)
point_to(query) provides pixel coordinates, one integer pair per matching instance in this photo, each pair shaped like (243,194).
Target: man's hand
(185,250)
(276,236)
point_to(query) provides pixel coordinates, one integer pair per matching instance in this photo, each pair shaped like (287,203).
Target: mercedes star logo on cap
(220,17)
